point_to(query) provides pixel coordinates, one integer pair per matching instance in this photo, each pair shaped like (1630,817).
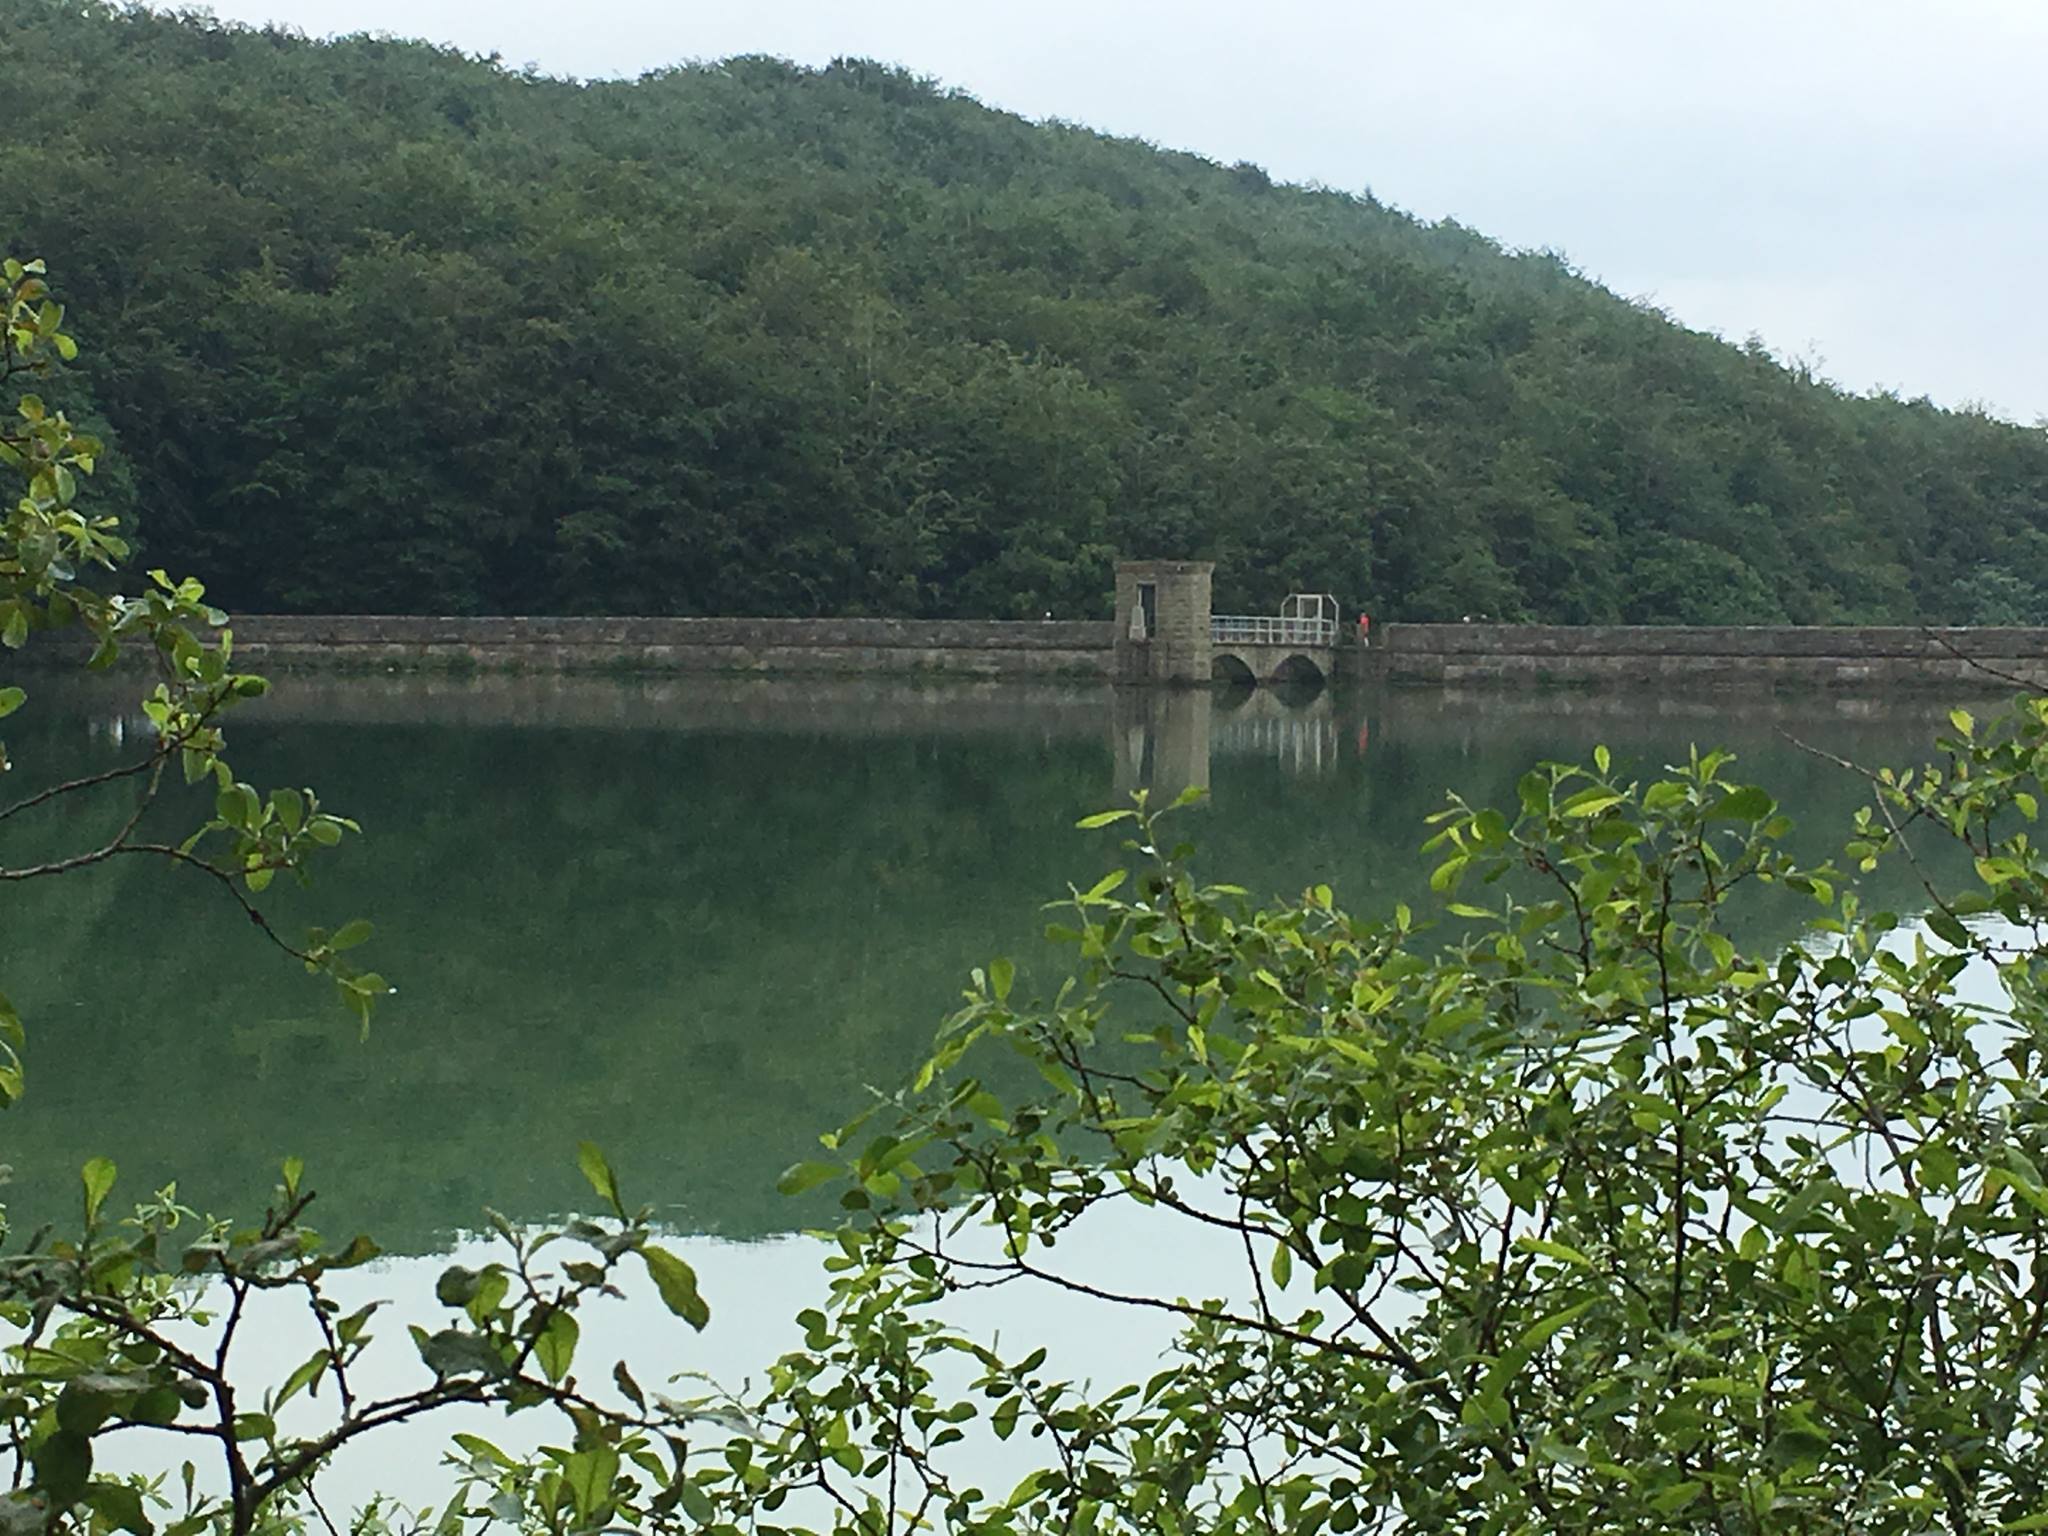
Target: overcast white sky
(1862,182)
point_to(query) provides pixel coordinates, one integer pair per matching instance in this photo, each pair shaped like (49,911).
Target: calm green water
(690,921)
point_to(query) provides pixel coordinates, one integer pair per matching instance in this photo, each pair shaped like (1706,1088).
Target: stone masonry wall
(1868,660)
(1177,651)
(1877,659)
(960,647)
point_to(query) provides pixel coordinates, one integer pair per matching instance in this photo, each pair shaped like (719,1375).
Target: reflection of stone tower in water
(1160,739)
(1161,734)
(1162,621)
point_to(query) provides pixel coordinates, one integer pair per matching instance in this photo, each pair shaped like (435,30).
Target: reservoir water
(696,921)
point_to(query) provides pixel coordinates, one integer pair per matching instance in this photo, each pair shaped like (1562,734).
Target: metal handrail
(1265,629)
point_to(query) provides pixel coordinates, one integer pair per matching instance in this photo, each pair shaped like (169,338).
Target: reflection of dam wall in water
(797,706)
(1303,736)
(1162,740)
(1165,741)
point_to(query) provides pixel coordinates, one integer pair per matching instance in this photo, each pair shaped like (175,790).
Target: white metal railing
(1265,629)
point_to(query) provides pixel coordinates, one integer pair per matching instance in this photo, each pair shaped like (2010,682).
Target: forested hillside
(375,319)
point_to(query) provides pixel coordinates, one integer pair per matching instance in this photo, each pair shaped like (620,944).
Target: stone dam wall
(950,647)
(1682,659)
(1694,657)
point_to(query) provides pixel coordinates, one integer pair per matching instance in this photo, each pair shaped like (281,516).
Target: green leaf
(1103,819)
(1671,1500)
(1004,1420)
(1945,927)
(1664,795)
(1590,802)
(1539,1333)
(238,806)
(360,1250)
(696,1502)
(491,1289)
(1283,1265)
(1105,885)
(623,1380)
(11,699)
(452,1352)
(1748,803)
(1001,976)
(555,1348)
(481,1449)
(677,1283)
(2000,871)
(1551,1250)
(456,1285)
(799,1177)
(599,1173)
(98,1175)
(120,1506)
(159,1405)
(306,1377)
(63,1463)
(350,934)
(87,1401)
(1483,1410)
(589,1475)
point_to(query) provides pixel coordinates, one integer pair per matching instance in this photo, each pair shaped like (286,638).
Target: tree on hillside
(390,327)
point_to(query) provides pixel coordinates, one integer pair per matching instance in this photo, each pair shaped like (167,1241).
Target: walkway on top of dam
(1298,643)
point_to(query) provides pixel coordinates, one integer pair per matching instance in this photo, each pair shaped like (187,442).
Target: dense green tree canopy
(384,325)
